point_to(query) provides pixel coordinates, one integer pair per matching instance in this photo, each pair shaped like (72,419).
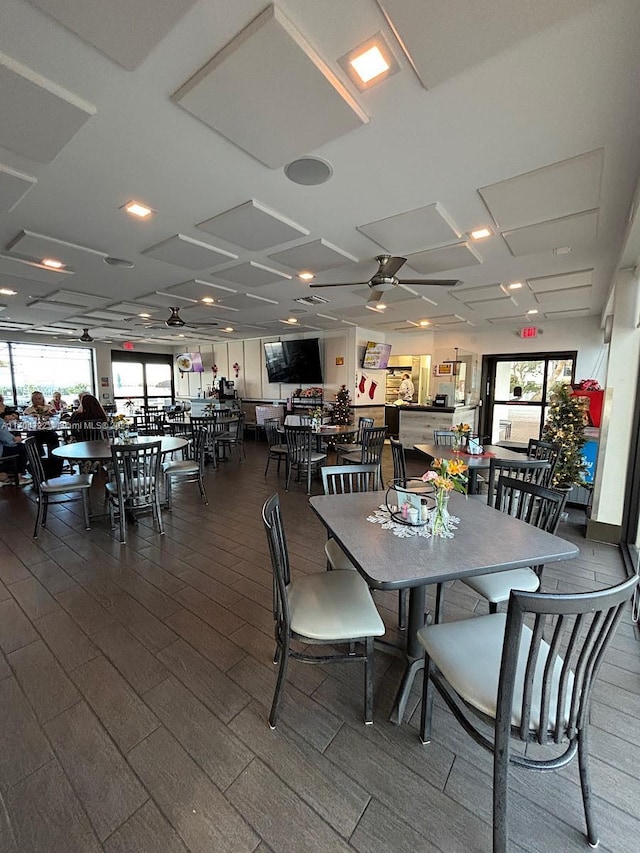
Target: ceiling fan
(175,321)
(85,337)
(385,279)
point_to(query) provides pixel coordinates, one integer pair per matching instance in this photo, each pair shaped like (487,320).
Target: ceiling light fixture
(291,320)
(136,208)
(144,315)
(532,311)
(425,322)
(306,276)
(562,250)
(370,62)
(228,329)
(515,285)
(208,300)
(52,263)
(4,291)
(118,262)
(480,233)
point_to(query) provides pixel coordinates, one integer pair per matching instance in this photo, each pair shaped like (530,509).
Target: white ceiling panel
(317,256)
(487,293)
(568,314)
(124,30)
(29,269)
(566,281)
(44,116)
(325,322)
(253,226)
(454,257)
(39,246)
(13,187)
(128,309)
(575,231)
(515,320)
(443,43)
(160,299)
(73,297)
(252,274)
(577,297)
(413,230)
(247,301)
(186,252)
(549,193)
(287,78)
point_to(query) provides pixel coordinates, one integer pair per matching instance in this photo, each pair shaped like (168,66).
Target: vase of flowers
(461,433)
(121,424)
(316,417)
(446,476)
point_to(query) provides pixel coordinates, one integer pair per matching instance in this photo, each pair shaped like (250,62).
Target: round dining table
(96,451)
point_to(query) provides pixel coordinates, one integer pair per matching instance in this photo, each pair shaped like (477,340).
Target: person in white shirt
(406,389)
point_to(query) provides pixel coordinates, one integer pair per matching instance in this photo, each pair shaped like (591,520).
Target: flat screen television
(294,362)
(376,356)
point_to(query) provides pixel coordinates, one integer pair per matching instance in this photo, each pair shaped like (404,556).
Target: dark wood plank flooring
(135,682)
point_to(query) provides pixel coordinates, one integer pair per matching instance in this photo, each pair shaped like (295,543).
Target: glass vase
(440,521)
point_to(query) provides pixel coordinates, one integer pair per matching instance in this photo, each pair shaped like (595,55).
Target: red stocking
(372,388)
(363,379)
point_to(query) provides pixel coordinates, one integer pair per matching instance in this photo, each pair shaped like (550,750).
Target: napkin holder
(474,448)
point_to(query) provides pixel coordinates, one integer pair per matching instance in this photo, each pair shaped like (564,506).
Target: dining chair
(444,437)
(356,446)
(138,473)
(301,453)
(528,470)
(324,608)
(209,425)
(510,684)
(370,453)
(276,448)
(545,450)
(231,435)
(187,470)
(47,488)
(399,461)
(538,506)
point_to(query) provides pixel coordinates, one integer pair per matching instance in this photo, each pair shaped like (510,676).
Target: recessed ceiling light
(425,322)
(480,233)
(515,285)
(53,263)
(532,311)
(136,208)
(370,62)
(228,329)
(144,315)
(208,300)
(306,276)
(4,291)
(118,262)
(291,320)
(379,306)
(562,250)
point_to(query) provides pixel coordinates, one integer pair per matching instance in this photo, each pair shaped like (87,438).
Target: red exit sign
(529,332)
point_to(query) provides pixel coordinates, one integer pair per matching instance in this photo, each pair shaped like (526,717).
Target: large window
(144,378)
(25,368)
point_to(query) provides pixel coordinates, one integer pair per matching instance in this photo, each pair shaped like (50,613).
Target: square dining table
(486,541)
(474,462)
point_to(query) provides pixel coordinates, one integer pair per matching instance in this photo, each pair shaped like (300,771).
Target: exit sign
(529,332)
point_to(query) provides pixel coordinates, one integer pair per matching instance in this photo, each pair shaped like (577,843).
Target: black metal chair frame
(191,475)
(210,425)
(138,475)
(545,450)
(373,439)
(275,447)
(580,626)
(301,442)
(528,470)
(272,519)
(400,473)
(444,437)
(230,434)
(356,444)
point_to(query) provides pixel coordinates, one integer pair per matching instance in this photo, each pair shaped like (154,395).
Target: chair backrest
(345,479)
(271,430)
(399,464)
(264,413)
(274,528)
(372,445)
(208,424)
(528,470)
(137,471)
(34,461)
(363,423)
(300,442)
(545,450)
(200,447)
(529,502)
(444,437)
(545,684)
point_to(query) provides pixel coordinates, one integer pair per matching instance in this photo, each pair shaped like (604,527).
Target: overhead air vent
(311,300)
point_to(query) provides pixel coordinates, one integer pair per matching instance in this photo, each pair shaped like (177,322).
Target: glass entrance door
(517,393)
(146,381)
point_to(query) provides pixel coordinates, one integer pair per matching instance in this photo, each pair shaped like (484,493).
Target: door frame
(488,374)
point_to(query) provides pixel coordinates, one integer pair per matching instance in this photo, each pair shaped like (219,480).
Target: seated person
(57,403)
(90,416)
(11,445)
(7,413)
(44,437)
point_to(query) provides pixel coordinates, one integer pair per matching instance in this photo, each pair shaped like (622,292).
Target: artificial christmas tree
(342,407)
(565,426)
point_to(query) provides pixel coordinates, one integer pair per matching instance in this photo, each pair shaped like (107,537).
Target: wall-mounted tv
(376,356)
(294,362)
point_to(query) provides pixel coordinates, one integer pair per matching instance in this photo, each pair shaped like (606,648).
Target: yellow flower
(456,466)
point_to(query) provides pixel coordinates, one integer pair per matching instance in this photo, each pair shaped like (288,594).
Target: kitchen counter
(415,424)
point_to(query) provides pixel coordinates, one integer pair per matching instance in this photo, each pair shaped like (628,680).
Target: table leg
(414,653)
(473,481)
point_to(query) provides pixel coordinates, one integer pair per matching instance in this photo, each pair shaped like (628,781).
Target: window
(144,378)
(25,368)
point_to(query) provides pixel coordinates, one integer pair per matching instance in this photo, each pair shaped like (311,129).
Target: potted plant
(565,426)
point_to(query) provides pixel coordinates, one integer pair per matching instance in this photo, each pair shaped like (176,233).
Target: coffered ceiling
(520,118)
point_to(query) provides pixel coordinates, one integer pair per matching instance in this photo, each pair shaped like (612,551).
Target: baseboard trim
(611,534)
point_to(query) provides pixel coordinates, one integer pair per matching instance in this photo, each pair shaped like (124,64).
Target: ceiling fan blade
(392,266)
(375,297)
(435,282)
(341,284)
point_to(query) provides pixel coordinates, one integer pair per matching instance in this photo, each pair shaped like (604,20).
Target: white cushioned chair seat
(497,586)
(336,556)
(279,448)
(181,466)
(73,483)
(333,606)
(351,457)
(469,652)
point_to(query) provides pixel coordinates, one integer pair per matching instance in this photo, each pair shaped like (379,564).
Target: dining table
(475,462)
(485,541)
(99,451)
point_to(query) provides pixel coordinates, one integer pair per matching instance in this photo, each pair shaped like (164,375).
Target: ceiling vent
(311,300)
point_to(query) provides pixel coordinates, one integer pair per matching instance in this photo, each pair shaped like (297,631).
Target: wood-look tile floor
(135,682)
